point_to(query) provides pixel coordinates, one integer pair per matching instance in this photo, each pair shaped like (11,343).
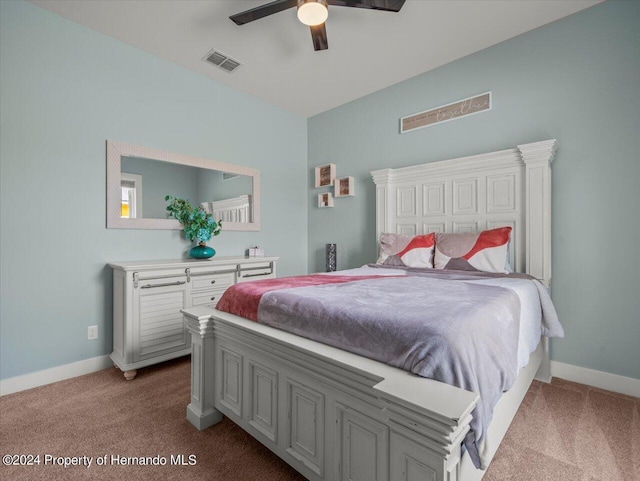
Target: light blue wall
(64,91)
(576,80)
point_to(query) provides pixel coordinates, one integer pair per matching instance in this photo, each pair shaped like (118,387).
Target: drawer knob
(213,281)
(213,298)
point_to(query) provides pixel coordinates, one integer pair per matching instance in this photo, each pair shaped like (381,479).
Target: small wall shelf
(344,187)
(325,200)
(325,175)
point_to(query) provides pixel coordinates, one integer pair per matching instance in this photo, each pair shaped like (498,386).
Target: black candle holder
(331,257)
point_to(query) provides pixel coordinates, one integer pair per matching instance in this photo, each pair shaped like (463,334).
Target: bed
(335,414)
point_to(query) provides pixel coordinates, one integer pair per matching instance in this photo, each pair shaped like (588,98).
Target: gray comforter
(464,334)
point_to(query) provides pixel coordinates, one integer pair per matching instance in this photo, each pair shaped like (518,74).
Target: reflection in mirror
(139,176)
(226,196)
(131,185)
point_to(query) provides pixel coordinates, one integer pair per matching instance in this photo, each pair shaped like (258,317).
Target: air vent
(221,60)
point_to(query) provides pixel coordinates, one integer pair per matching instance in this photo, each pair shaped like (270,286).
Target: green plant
(197,223)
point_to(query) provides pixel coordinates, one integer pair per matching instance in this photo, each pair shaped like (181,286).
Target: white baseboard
(582,375)
(54,374)
(600,379)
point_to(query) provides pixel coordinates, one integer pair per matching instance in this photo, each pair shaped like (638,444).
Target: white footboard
(330,414)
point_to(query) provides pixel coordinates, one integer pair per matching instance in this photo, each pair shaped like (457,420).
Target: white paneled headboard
(236,209)
(505,188)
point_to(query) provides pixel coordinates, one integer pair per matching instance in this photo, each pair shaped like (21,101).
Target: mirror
(139,178)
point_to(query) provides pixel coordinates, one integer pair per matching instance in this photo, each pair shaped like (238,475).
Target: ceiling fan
(314,13)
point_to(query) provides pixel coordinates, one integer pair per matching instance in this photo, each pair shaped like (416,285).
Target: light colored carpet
(563,431)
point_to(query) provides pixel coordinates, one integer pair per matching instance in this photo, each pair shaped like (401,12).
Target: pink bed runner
(243,299)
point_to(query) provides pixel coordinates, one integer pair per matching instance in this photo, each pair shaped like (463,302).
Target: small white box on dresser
(148,296)
(256,251)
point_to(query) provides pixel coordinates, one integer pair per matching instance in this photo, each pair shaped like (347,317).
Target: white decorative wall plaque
(445,113)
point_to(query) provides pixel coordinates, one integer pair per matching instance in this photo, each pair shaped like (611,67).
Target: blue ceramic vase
(202,251)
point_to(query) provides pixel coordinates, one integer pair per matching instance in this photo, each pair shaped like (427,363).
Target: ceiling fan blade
(319,37)
(386,5)
(262,11)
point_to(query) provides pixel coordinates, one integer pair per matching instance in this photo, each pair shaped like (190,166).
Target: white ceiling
(368,50)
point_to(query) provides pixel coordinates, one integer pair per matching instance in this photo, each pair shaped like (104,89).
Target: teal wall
(65,90)
(576,80)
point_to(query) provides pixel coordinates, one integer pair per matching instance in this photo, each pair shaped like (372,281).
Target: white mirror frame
(117,150)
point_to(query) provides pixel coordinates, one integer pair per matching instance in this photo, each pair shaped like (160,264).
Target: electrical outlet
(92,333)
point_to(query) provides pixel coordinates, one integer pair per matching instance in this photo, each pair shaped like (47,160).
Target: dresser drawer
(212,281)
(254,272)
(207,298)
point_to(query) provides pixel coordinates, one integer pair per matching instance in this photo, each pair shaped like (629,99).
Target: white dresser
(148,326)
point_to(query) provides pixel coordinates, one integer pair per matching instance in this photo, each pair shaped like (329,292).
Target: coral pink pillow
(409,251)
(477,251)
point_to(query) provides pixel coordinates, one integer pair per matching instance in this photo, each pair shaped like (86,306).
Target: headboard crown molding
(543,151)
(504,188)
(472,163)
